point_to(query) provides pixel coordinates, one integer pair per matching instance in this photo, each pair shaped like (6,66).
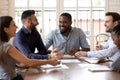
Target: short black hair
(67,15)
(115,15)
(27,13)
(4,22)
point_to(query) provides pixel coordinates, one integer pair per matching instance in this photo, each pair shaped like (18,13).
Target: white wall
(113,5)
(7,7)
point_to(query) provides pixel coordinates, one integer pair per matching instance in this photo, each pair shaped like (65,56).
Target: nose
(37,22)
(16,26)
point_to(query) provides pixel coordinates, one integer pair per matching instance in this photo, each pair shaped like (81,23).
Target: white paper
(90,60)
(68,56)
(70,61)
(54,67)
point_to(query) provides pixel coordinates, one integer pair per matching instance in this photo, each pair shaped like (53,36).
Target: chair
(101,38)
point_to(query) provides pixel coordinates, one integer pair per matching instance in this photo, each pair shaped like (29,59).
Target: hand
(72,52)
(59,55)
(54,62)
(56,55)
(99,47)
(80,53)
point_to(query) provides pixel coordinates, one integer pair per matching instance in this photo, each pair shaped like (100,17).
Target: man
(67,39)
(28,38)
(109,49)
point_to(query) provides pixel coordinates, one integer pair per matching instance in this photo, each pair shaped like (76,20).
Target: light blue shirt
(75,40)
(110,50)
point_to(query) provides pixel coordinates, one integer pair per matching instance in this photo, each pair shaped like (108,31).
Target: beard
(109,30)
(33,27)
(65,30)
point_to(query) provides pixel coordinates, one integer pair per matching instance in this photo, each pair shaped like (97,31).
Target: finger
(76,54)
(54,50)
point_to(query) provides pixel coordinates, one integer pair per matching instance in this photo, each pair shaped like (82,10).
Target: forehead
(108,18)
(12,22)
(64,18)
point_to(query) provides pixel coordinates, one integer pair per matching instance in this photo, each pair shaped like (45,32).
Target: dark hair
(27,14)
(4,22)
(115,16)
(116,29)
(67,15)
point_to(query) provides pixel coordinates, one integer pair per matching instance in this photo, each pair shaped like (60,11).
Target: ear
(5,29)
(116,23)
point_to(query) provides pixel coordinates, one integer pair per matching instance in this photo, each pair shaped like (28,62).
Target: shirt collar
(25,30)
(58,30)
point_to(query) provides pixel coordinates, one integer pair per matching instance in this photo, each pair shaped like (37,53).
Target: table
(75,71)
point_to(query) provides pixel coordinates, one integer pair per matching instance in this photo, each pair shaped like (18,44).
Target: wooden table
(76,71)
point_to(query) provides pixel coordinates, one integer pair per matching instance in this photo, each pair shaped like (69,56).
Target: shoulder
(77,30)
(54,32)
(5,46)
(22,33)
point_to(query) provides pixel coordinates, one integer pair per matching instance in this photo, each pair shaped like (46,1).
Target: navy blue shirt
(27,42)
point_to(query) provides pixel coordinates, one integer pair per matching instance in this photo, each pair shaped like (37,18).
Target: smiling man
(67,39)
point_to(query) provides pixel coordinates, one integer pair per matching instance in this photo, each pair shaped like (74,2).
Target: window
(86,14)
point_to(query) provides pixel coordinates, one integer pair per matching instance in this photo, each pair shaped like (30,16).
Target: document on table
(70,61)
(48,66)
(90,60)
(68,57)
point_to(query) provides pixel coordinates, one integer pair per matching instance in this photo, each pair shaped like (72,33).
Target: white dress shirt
(109,50)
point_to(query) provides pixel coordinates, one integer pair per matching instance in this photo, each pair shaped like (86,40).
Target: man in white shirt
(109,49)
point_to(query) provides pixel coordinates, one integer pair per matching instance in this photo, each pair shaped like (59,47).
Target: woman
(116,38)
(10,56)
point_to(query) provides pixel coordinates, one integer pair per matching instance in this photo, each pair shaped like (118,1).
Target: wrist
(85,54)
(49,57)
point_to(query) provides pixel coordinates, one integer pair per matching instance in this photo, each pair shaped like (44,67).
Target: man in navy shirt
(28,38)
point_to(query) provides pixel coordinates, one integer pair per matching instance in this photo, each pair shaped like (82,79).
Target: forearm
(34,63)
(103,53)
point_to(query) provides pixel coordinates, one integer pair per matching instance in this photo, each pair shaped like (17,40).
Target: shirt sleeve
(6,46)
(83,40)
(107,44)
(48,40)
(103,53)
